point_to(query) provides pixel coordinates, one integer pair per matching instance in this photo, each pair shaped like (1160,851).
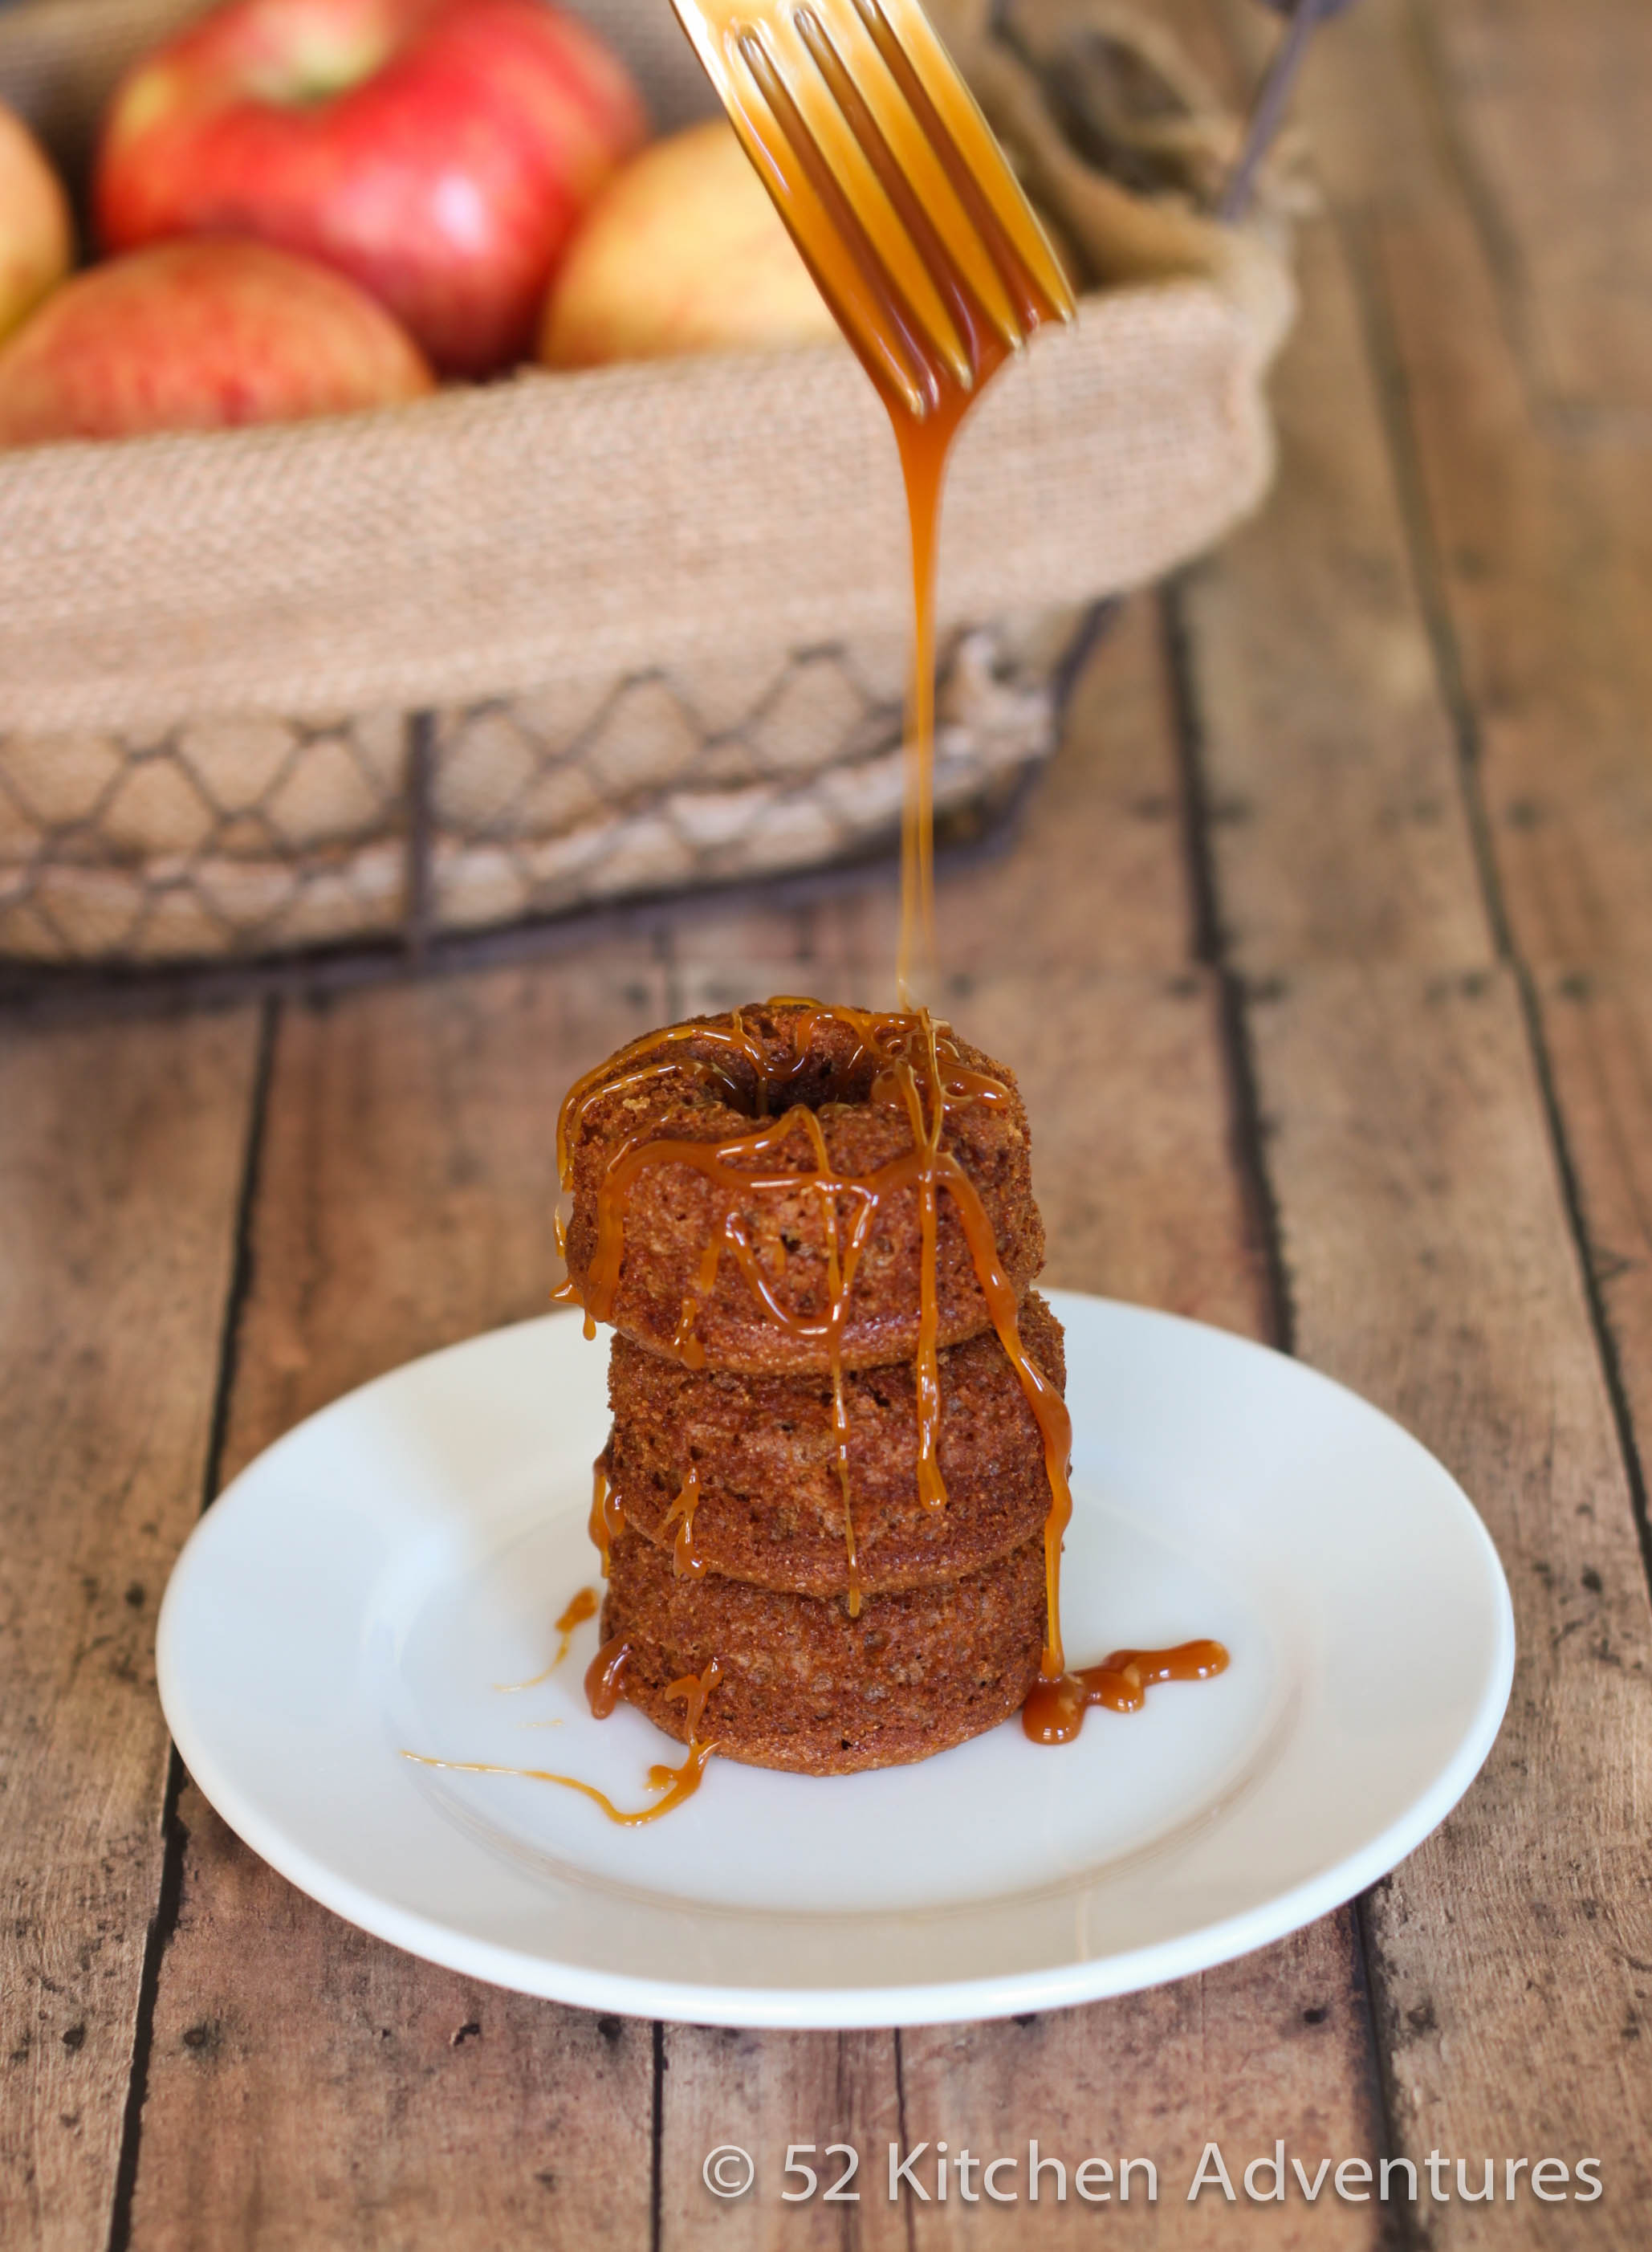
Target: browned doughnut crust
(672,1211)
(805,1686)
(769,1508)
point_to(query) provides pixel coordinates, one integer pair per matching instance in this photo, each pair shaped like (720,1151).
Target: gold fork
(889,178)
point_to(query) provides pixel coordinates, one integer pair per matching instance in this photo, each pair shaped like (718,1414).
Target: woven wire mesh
(254,835)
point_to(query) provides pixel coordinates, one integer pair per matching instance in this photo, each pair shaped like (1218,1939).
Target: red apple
(201,336)
(35,239)
(438,151)
(682,252)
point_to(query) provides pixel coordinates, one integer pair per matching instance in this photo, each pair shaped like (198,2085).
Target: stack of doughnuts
(764,1507)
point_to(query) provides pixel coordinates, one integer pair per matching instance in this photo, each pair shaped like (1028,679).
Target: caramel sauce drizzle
(677,1782)
(584,1606)
(607,1517)
(1054,1711)
(687,1562)
(605,1676)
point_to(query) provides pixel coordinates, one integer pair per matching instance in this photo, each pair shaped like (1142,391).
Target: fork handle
(1273,98)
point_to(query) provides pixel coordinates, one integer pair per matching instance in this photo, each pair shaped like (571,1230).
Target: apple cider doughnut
(809,1685)
(796,1187)
(738,1475)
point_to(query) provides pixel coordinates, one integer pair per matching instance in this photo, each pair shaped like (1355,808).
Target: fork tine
(920,346)
(949,249)
(823,118)
(889,180)
(848,276)
(974,163)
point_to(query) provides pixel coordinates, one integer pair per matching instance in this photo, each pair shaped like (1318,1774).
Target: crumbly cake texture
(769,1508)
(804,1687)
(672,1211)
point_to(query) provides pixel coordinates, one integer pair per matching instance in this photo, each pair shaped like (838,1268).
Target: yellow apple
(36,243)
(681,252)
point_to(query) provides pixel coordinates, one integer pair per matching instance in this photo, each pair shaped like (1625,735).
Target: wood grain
(1597,1033)
(1337,827)
(1275,2047)
(121,1154)
(1546,559)
(308,2086)
(766,2092)
(1555,111)
(1430,1266)
(1529,523)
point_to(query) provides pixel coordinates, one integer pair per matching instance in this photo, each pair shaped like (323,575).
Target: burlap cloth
(609,589)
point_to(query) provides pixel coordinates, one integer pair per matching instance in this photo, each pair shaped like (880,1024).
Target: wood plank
(1124,1080)
(409,1172)
(407,1182)
(1275,2045)
(121,1148)
(1430,1266)
(764,2092)
(1545,562)
(1338,830)
(1556,114)
(1530,526)
(1597,1037)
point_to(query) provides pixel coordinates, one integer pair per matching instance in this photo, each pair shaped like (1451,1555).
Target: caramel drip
(1049,1410)
(837,1292)
(932,1490)
(607,1517)
(692,1690)
(583,1607)
(605,1676)
(686,1560)
(1054,1712)
(603,1682)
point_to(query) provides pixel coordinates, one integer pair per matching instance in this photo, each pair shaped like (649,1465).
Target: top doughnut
(745,1184)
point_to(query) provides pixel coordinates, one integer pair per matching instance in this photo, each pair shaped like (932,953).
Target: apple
(201,336)
(682,252)
(36,240)
(439,152)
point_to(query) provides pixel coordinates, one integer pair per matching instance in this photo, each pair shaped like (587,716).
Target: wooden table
(1325,954)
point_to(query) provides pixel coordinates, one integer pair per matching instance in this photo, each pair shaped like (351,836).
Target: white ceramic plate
(360,1589)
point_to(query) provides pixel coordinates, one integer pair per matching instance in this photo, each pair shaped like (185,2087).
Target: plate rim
(1073,1981)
